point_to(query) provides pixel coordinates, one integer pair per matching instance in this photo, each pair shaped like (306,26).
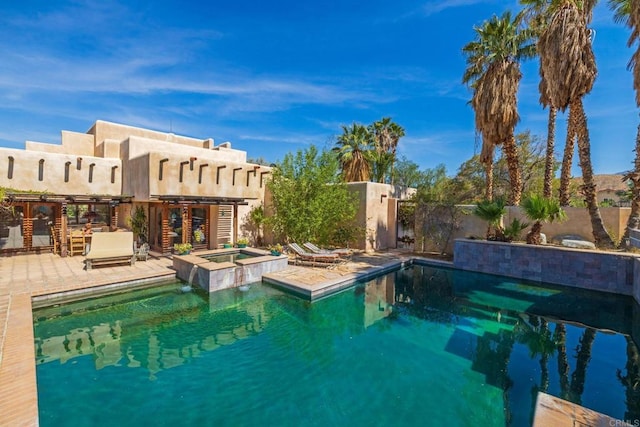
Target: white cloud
(434,7)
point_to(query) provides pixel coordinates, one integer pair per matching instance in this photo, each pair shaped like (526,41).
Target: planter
(184,253)
(276,253)
(242,245)
(227,245)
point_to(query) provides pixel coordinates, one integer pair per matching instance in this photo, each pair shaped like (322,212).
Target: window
(11,230)
(78,214)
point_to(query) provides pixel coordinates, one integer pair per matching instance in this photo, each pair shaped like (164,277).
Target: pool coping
(553,411)
(333,286)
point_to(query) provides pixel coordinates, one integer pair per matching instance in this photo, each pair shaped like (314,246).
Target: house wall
(377,212)
(103,130)
(209,186)
(26,170)
(74,143)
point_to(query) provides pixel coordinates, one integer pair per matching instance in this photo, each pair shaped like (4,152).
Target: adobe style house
(191,190)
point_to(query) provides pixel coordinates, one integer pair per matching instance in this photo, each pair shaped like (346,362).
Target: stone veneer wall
(634,237)
(602,271)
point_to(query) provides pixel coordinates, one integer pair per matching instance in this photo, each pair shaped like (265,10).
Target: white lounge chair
(343,252)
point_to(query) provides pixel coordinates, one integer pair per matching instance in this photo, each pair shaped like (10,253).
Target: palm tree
(537,21)
(386,136)
(628,12)
(492,212)
(540,209)
(381,163)
(352,148)
(493,72)
(569,68)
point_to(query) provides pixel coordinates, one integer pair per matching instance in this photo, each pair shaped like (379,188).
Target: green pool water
(419,346)
(228,257)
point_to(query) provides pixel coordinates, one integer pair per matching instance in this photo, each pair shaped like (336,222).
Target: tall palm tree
(550,157)
(628,12)
(352,148)
(537,21)
(493,73)
(569,67)
(386,136)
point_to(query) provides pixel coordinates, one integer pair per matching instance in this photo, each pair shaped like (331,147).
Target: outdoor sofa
(110,248)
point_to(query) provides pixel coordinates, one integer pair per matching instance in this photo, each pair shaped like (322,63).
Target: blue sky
(275,77)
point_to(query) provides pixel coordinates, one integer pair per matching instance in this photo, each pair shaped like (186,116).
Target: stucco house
(191,189)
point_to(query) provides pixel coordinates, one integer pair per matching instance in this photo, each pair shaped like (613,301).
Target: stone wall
(597,270)
(578,223)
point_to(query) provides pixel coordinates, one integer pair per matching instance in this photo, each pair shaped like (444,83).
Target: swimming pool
(419,345)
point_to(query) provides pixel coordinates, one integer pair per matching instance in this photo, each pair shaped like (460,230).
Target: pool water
(419,346)
(228,257)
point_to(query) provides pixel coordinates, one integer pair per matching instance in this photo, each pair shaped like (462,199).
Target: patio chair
(142,253)
(304,257)
(76,242)
(343,252)
(53,237)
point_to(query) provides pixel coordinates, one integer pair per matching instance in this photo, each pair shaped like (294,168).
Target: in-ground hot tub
(226,268)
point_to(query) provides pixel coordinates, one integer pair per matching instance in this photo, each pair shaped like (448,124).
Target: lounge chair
(343,252)
(305,257)
(111,248)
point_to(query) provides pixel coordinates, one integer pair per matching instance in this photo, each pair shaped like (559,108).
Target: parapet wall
(596,270)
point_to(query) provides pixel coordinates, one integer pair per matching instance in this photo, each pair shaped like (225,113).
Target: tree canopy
(310,200)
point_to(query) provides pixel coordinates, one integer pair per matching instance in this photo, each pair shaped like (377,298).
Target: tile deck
(553,411)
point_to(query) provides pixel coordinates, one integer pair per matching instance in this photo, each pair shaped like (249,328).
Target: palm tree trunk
(511,153)
(488,193)
(634,217)
(567,161)
(577,115)
(533,236)
(550,159)
(582,361)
